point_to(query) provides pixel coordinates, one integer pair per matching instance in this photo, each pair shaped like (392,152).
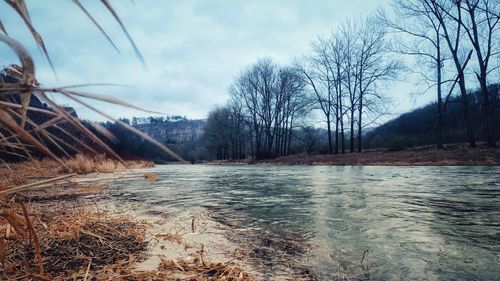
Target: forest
(227,136)
(451,47)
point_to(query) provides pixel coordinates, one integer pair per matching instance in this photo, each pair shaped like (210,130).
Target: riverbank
(74,229)
(452,155)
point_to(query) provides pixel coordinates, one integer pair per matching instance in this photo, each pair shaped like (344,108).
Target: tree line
(344,77)
(341,78)
(266,102)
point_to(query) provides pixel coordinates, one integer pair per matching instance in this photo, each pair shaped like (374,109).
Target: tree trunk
(352,131)
(337,132)
(277,142)
(360,133)
(483,71)
(465,102)
(285,137)
(290,131)
(488,112)
(439,94)
(252,146)
(342,134)
(257,145)
(270,140)
(330,148)
(461,77)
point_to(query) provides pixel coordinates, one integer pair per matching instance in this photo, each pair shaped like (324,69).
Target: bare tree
(374,67)
(271,98)
(293,105)
(413,19)
(244,90)
(217,132)
(453,35)
(336,47)
(309,139)
(366,66)
(481,26)
(328,59)
(348,33)
(318,76)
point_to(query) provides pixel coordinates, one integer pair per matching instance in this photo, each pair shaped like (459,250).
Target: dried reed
(20,135)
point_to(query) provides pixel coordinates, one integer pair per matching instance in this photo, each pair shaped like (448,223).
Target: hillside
(173,131)
(418,127)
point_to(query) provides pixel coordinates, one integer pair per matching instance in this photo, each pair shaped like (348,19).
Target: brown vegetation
(201,270)
(173,237)
(22,136)
(93,245)
(49,234)
(16,174)
(82,164)
(69,241)
(451,156)
(55,233)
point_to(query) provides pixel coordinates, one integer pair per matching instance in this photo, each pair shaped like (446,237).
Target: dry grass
(28,171)
(20,135)
(78,243)
(63,237)
(25,172)
(172,237)
(82,164)
(201,270)
(68,240)
(452,156)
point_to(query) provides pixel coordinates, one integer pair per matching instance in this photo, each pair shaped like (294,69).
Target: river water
(361,223)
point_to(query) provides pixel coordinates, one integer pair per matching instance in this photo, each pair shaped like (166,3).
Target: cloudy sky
(193,48)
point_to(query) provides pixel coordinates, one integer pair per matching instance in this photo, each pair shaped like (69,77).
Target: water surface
(409,223)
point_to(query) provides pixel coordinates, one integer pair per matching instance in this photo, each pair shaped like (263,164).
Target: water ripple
(418,223)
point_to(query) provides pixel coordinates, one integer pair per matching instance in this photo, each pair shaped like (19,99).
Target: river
(361,223)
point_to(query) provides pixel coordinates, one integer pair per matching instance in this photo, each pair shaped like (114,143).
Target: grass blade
(117,18)
(22,10)
(130,128)
(77,124)
(2,28)
(10,122)
(79,4)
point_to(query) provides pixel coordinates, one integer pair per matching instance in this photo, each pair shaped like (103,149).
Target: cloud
(193,49)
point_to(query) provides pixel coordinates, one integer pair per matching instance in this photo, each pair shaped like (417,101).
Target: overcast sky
(193,49)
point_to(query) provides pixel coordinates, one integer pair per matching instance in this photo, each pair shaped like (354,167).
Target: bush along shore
(56,224)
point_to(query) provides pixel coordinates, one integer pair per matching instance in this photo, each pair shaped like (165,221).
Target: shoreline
(452,156)
(114,238)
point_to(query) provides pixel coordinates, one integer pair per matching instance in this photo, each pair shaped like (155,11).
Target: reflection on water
(424,223)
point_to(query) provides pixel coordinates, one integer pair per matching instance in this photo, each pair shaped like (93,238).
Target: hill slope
(418,127)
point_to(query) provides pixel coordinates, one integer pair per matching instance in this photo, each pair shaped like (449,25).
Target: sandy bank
(75,229)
